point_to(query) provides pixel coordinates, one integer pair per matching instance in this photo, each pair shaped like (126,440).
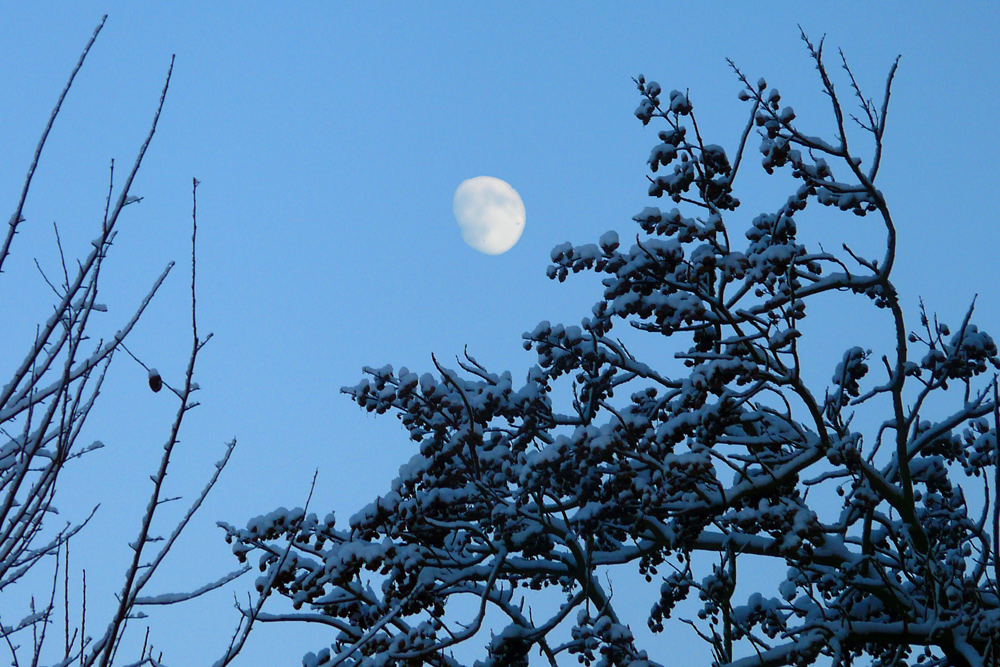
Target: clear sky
(329,141)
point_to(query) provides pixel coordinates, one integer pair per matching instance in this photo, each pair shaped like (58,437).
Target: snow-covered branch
(723,456)
(43,408)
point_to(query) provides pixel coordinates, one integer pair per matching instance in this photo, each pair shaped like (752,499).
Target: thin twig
(17,218)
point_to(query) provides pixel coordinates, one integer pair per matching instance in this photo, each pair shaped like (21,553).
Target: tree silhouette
(44,405)
(684,470)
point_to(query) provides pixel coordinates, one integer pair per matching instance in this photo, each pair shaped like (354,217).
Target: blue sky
(329,140)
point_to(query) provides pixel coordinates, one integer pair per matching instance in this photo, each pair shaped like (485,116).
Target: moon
(490,214)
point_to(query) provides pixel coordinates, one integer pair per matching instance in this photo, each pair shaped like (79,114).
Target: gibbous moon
(490,214)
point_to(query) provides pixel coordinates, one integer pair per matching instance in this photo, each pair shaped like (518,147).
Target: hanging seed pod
(155,381)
